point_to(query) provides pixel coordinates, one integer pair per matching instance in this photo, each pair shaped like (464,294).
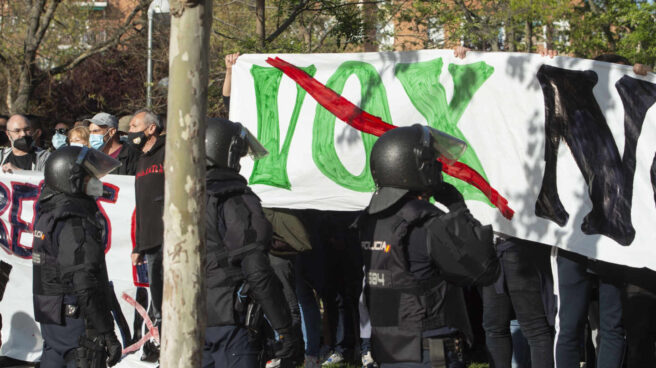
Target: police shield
(96,163)
(255,149)
(449,147)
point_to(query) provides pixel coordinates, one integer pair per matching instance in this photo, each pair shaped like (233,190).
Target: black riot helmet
(227,142)
(67,168)
(404,160)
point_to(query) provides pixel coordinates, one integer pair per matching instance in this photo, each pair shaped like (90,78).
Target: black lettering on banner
(573,115)
(653,177)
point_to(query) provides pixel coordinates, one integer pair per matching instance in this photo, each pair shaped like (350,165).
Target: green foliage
(582,28)
(624,27)
(291,26)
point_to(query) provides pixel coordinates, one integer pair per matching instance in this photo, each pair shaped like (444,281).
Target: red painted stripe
(361,120)
(152,330)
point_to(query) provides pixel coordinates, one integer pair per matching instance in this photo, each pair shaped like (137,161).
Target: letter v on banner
(272,169)
(365,122)
(573,115)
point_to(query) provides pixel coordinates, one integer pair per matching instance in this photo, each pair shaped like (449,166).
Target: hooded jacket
(149,192)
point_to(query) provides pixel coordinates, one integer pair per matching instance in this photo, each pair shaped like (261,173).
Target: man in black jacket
(104,137)
(239,277)
(413,252)
(70,283)
(146,135)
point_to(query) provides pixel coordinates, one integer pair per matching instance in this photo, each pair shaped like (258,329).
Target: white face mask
(94,188)
(75,144)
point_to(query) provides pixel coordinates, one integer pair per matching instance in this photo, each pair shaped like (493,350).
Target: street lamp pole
(156,7)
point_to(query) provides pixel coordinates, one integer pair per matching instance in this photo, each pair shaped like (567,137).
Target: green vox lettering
(421,83)
(272,169)
(374,101)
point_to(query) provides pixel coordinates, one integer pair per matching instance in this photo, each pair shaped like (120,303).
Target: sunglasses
(63,131)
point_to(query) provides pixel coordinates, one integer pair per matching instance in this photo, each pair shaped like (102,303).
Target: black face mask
(137,139)
(24,143)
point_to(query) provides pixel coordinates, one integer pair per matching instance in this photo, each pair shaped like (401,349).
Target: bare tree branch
(298,9)
(7,74)
(226,23)
(45,19)
(113,41)
(226,36)
(303,6)
(322,38)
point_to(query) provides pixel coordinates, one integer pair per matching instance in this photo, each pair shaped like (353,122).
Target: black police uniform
(414,253)
(70,284)
(238,272)
(70,275)
(407,295)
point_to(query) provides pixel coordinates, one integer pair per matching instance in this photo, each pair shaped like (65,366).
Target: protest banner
(593,194)
(21,336)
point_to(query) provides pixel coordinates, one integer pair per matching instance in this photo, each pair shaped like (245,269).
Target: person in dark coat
(416,256)
(70,284)
(240,279)
(104,136)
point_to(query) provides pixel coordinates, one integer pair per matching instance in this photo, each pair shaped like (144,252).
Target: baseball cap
(104,119)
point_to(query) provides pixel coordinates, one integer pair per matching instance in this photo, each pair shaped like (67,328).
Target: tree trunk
(183,307)
(260,28)
(369,12)
(529,36)
(550,36)
(25,88)
(39,17)
(510,35)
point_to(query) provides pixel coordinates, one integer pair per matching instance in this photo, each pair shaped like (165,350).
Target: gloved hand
(112,347)
(288,343)
(448,195)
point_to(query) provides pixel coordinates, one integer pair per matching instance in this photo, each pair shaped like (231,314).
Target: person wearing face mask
(59,135)
(70,282)
(78,136)
(145,134)
(22,155)
(104,137)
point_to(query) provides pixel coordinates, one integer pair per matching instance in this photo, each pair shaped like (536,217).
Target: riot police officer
(71,287)
(240,279)
(415,255)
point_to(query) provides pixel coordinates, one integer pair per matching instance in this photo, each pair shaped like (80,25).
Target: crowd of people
(402,283)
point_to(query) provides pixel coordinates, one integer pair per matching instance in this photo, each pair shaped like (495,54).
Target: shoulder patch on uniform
(38,234)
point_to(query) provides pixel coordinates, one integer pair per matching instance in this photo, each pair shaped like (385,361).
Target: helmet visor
(255,149)
(97,163)
(449,147)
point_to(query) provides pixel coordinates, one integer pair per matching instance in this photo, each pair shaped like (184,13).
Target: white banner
(21,336)
(494,101)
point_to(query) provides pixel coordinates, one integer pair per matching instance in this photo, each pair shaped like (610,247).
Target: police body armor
(52,283)
(224,279)
(401,307)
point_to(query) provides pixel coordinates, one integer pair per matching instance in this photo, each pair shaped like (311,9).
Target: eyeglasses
(63,131)
(26,131)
